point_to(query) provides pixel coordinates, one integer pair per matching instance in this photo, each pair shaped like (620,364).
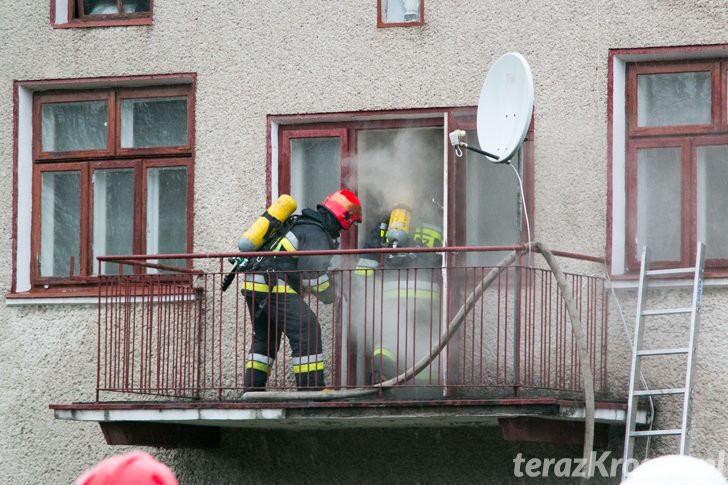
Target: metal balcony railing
(171,331)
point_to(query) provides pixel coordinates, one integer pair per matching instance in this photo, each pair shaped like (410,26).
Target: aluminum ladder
(638,352)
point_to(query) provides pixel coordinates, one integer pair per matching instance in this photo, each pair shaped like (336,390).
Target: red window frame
(347,132)
(64,97)
(113,156)
(382,24)
(78,19)
(687,138)
(301,126)
(140,93)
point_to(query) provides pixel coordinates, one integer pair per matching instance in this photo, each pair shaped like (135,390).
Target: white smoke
(395,166)
(403,166)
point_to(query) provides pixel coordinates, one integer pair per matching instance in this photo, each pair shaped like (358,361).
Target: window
(90,8)
(401,157)
(400,13)
(112,174)
(676,164)
(100,13)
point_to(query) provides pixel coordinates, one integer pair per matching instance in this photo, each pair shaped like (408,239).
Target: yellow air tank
(399,225)
(268,222)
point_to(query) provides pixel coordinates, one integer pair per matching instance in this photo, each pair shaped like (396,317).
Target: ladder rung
(659,392)
(668,311)
(681,350)
(660,272)
(655,432)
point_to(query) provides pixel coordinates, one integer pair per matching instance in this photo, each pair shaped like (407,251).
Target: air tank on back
(399,225)
(269,221)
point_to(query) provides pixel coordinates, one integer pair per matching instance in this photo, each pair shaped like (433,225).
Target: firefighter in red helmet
(274,290)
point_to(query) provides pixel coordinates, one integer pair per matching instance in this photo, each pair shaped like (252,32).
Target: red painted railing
(165,332)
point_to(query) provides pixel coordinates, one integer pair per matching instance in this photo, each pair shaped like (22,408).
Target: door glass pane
(131,6)
(74,126)
(682,98)
(400,166)
(713,200)
(395,11)
(154,122)
(658,202)
(167,213)
(315,169)
(100,7)
(113,192)
(60,231)
(493,204)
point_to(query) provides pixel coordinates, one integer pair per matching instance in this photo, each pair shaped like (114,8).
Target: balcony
(470,340)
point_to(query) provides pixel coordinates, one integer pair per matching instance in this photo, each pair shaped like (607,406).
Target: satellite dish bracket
(483,152)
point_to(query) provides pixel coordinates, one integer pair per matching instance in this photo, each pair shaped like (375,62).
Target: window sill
(90,295)
(382,25)
(630,282)
(23,300)
(57,292)
(119,22)
(54,296)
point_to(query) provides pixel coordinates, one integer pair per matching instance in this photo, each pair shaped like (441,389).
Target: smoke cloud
(402,166)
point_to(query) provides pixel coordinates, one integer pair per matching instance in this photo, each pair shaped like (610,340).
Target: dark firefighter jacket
(313,230)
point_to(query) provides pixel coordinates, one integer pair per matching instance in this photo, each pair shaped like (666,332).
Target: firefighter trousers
(274,314)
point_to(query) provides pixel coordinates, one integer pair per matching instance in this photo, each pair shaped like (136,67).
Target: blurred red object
(135,468)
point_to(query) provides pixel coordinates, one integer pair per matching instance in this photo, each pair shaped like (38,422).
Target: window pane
(100,7)
(154,122)
(658,202)
(131,6)
(167,212)
(682,98)
(394,11)
(60,231)
(400,166)
(113,216)
(493,204)
(74,126)
(315,169)
(713,200)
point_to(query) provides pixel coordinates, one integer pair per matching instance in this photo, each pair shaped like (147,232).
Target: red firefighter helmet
(345,206)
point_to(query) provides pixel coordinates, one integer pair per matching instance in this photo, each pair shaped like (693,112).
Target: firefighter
(275,289)
(410,289)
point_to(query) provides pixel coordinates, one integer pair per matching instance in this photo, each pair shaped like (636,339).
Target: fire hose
(449,331)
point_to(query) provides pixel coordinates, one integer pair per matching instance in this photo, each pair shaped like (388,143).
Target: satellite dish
(505,106)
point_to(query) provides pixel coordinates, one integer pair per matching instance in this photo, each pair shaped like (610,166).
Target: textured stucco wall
(258,58)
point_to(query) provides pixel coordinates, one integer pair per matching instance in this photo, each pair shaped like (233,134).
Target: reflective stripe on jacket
(290,273)
(421,290)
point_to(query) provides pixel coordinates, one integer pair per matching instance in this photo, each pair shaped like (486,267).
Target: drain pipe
(455,323)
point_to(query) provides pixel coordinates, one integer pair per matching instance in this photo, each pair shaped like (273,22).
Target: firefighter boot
(384,365)
(310,381)
(255,379)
